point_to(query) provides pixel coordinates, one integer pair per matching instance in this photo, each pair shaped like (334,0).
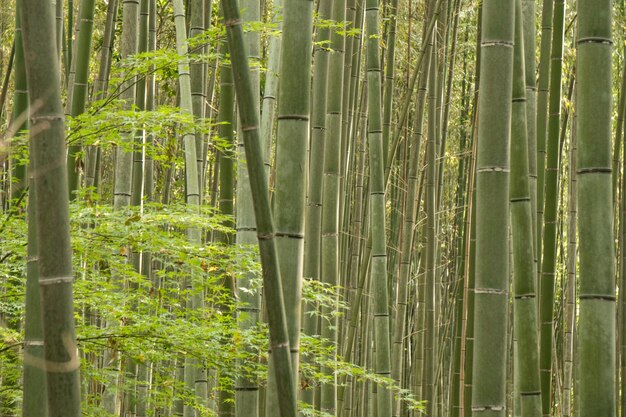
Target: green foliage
(341,28)
(141,314)
(321,294)
(144,319)
(318,353)
(106,119)
(146,316)
(147,321)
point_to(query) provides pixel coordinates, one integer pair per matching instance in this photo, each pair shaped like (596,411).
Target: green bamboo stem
(150,106)
(122,188)
(34,398)
(102,78)
(596,324)
(467,360)
(143,386)
(7,78)
(411,211)
(420,352)
(548,263)
(313,223)
(397,196)
(430,336)
(389,75)
(292,142)
(440,65)
(346,161)
(197,72)
(100,87)
(463,207)
(79,86)
(291,169)
(407,102)
(178,375)
(352,169)
(59,27)
(378,269)
(358,268)
(268,111)
(193,370)
(352,48)
(526,368)
(331,191)
(132,402)
(251,13)
(622,278)
(210,67)
(355,70)
(448,91)
(543,83)
(140,103)
(492,210)
(69,44)
(246,391)
(19,115)
(569,319)
(619,132)
(246,224)
(466,340)
(467,356)
(47,146)
(279,337)
(124,158)
(528,12)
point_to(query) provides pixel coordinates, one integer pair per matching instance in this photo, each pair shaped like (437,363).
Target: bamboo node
(591,170)
(56,280)
(246,388)
(492,169)
(497,43)
(525,297)
(232,22)
(488,408)
(252,309)
(47,118)
(604,297)
(289,235)
(494,291)
(57,367)
(595,39)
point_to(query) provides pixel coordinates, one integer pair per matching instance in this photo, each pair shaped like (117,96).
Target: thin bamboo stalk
(378,279)
(526,366)
(548,263)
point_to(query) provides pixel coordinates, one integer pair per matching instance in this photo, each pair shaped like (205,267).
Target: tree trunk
(492,210)
(596,337)
(47,147)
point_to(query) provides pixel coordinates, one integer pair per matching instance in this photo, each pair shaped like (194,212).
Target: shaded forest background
(422,166)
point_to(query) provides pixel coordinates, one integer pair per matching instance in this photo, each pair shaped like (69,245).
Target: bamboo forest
(312,208)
